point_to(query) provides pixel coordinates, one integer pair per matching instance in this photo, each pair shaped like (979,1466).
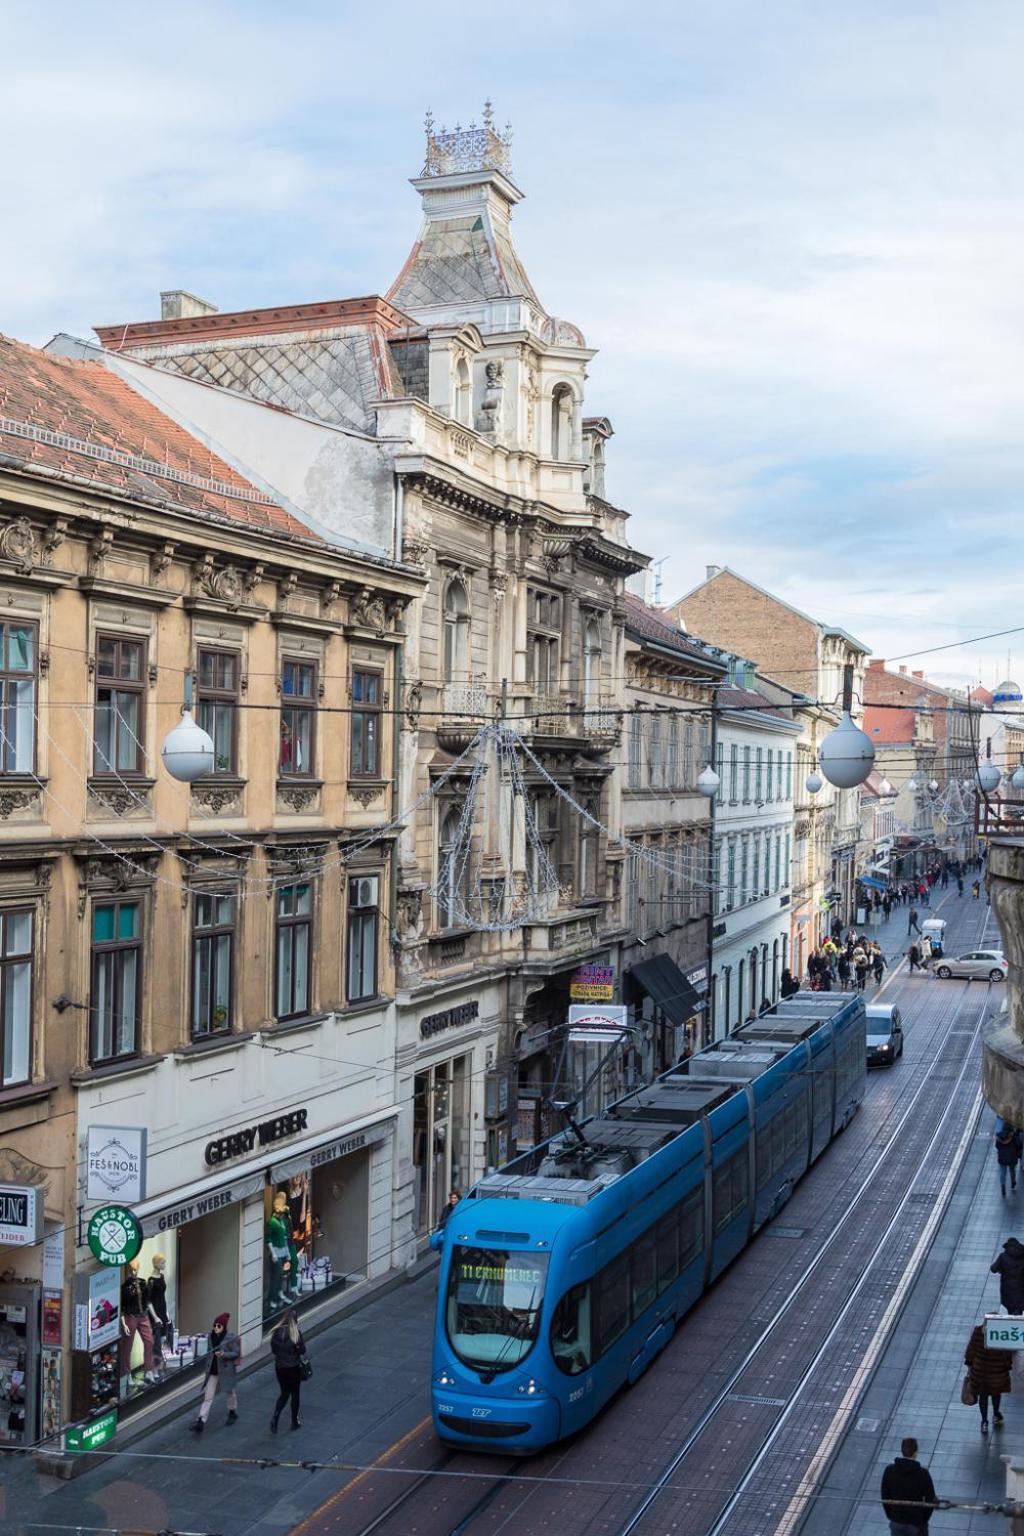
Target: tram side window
(612,1302)
(768,1152)
(691,1228)
(570,1331)
(643,1273)
(821,1088)
(730,1190)
(668,1249)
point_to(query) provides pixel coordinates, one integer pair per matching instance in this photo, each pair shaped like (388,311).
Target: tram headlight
(444,1379)
(530,1388)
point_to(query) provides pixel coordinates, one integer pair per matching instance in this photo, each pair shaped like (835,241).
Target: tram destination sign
(1004,1332)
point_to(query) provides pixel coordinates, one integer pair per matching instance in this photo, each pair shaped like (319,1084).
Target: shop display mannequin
(163,1331)
(135,1320)
(281,1249)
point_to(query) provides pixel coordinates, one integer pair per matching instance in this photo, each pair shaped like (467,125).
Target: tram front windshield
(493,1309)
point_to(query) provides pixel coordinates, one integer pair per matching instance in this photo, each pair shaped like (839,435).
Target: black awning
(666,985)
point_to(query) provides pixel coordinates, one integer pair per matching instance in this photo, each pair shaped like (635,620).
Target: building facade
(757,763)
(806,657)
(206,964)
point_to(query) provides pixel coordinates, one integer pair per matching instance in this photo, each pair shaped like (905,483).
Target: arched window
(561,422)
(453,868)
(456,633)
(463,393)
(591,662)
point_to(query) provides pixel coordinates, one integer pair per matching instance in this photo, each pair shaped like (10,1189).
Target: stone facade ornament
(252,578)
(415,553)
(461,443)
(159,562)
(298,797)
(367,795)
(217,797)
(488,418)
(367,611)
(18,544)
(12,800)
(116,799)
(99,548)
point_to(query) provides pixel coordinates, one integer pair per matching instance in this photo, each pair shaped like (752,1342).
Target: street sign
(81,1438)
(1004,1332)
(21,1215)
(596,1025)
(113,1235)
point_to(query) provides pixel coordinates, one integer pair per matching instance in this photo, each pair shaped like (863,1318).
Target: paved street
(368,1398)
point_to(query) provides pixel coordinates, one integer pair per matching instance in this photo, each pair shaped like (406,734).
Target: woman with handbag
(988,1376)
(291,1366)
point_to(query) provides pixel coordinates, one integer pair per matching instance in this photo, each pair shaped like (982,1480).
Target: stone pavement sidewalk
(370,1386)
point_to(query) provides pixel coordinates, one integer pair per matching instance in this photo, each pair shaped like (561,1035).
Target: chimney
(903,671)
(917,674)
(877,662)
(176,304)
(711,571)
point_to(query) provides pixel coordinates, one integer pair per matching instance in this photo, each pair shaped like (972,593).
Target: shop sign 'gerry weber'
(116,1163)
(21,1215)
(113,1235)
(1004,1332)
(239,1143)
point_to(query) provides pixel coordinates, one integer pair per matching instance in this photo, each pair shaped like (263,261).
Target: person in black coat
(906,1480)
(1008,1142)
(288,1348)
(1009,1266)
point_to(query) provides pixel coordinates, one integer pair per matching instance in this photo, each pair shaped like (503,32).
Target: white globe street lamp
(708,782)
(813,782)
(911,785)
(933,785)
(847,755)
(1018,776)
(885,788)
(187,751)
(988,777)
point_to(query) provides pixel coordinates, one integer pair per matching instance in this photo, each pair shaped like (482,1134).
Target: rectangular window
(115,1005)
(756,883)
(744,869)
(718,895)
(361,938)
(734,773)
(781,776)
(213,944)
(120,705)
(643,1273)
(367,702)
(668,1249)
(16,996)
(720,770)
(632,891)
(613,1301)
(636,726)
(691,1227)
(789,775)
(769,783)
(785,862)
(294,951)
(746,775)
(730,900)
(217,675)
(298,716)
(19,658)
(778,861)
(688,739)
(759,774)
(543,650)
(655,764)
(672,771)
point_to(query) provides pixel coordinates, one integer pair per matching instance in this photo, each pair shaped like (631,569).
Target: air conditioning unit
(362,891)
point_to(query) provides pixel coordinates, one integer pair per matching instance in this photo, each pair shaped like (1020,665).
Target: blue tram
(564,1274)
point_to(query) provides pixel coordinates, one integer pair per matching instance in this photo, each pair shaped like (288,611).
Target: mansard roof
(330,361)
(461,260)
(77,421)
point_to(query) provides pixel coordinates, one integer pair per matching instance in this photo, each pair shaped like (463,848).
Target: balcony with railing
(465,707)
(602,720)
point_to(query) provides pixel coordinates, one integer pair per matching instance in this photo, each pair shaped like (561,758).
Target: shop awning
(873,882)
(666,985)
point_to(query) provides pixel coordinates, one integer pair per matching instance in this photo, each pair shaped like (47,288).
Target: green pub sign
(89,1437)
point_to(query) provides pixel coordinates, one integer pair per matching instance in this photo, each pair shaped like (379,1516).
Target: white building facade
(753,850)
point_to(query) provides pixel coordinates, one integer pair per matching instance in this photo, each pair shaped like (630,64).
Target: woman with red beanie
(221,1371)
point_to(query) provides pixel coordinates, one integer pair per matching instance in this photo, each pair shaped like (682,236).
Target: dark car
(885,1034)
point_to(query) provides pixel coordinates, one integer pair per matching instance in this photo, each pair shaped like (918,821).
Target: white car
(978,965)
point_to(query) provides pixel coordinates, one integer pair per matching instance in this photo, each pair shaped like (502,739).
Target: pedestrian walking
(843,965)
(913,926)
(976,889)
(453,1199)
(225,1351)
(959,885)
(907,1491)
(1009,1144)
(789,984)
(988,1375)
(878,966)
(289,1350)
(1009,1266)
(860,966)
(914,956)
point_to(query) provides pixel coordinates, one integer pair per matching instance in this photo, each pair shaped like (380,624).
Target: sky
(794,231)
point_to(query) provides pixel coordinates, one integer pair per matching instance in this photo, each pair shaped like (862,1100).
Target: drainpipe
(399,514)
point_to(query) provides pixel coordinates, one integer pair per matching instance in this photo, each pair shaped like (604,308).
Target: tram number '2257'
(476,1413)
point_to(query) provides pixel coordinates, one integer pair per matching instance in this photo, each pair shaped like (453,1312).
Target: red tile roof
(889,726)
(76,420)
(655,626)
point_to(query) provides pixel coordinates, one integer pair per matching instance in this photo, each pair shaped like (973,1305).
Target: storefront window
(294,942)
(116,990)
(441,1137)
(316,1225)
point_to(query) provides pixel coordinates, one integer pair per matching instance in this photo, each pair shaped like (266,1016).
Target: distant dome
(1007,693)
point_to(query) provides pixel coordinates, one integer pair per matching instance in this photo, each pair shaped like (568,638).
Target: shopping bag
(968,1396)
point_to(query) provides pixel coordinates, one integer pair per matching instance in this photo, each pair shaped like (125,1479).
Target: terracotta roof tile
(75,419)
(650,622)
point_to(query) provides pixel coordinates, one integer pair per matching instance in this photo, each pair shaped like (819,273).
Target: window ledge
(298,781)
(26,1093)
(364,1005)
(293,1026)
(137,1064)
(210,1045)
